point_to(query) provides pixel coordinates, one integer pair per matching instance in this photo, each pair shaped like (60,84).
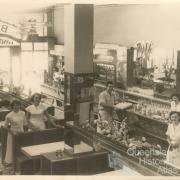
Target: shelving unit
(53,86)
(78,97)
(110,64)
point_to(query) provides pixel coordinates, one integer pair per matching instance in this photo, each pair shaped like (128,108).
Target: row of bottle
(152,110)
(106,66)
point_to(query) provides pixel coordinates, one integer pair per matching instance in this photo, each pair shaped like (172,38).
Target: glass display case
(110,61)
(54,77)
(154,70)
(78,97)
(53,86)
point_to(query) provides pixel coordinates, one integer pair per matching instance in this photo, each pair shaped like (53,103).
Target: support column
(78,38)
(50,20)
(78,44)
(130,68)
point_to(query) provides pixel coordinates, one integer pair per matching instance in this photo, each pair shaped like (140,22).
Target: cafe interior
(66,53)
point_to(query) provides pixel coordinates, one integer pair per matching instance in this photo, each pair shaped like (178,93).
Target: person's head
(36,99)
(175,97)
(16,105)
(109,86)
(175,117)
(151,77)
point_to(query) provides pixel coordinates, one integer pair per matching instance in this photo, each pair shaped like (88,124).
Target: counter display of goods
(153,111)
(141,154)
(110,64)
(120,133)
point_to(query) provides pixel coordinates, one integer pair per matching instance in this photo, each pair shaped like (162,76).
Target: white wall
(127,24)
(59,24)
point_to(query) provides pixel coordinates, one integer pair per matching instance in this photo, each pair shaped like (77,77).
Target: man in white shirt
(106,103)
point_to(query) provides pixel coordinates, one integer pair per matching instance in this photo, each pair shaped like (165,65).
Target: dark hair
(15,102)
(175,94)
(35,94)
(109,82)
(174,112)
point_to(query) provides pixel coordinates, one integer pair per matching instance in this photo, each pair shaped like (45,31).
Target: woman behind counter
(37,114)
(175,103)
(173,137)
(15,122)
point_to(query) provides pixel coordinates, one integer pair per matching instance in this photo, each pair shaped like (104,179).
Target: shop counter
(35,151)
(79,164)
(148,166)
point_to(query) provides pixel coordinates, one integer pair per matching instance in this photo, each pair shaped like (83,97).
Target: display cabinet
(154,70)
(78,97)
(55,75)
(145,125)
(144,105)
(53,86)
(141,154)
(110,61)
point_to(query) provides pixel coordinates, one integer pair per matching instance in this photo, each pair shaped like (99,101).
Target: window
(34,56)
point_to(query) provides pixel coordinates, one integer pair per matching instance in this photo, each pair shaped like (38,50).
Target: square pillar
(78,38)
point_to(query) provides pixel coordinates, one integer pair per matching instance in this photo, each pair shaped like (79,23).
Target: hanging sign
(5,41)
(9,29)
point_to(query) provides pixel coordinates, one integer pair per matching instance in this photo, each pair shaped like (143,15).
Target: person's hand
(115,108)
(174,144)
(59,126)
(36,129)
(14,133)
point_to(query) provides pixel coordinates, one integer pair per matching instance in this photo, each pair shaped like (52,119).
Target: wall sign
(5,41)
(9,29)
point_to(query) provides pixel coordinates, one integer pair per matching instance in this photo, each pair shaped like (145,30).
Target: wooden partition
(30,138)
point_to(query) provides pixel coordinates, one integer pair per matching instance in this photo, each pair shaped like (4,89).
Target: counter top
(36,150)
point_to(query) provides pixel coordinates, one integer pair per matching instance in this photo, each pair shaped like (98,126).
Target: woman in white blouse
(175,103)
(15,122)
(173,137)
(37,114)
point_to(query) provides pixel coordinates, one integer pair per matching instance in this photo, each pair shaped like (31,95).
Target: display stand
(78,96)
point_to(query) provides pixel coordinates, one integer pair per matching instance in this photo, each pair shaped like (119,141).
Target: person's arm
(25,124)
(168,135)
(105,105)
(29,123)
(169,139)
(7,124)
(51,121)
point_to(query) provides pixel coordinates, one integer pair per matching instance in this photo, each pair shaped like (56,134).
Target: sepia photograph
(90,88)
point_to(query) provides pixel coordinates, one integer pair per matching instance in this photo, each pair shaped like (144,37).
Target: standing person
(175,103)
(173,138)
(106,103)
(37,114)
(14,122)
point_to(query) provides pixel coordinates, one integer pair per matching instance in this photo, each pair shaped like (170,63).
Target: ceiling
(11,6)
